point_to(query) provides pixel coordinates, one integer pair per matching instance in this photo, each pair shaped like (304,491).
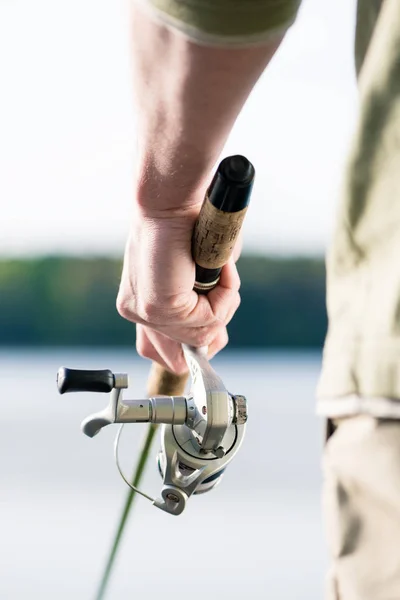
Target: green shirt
(362,350)
(227,21)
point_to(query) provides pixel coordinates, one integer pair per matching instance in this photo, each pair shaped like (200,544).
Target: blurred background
(67,144)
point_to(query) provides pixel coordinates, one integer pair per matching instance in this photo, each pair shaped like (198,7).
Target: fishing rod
(202,431)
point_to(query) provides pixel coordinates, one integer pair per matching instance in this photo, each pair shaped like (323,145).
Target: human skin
(188,97)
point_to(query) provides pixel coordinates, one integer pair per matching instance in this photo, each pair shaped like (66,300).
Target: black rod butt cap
(237,169)
(230,189)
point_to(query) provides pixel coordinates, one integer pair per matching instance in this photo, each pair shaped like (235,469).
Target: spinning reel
(200,434)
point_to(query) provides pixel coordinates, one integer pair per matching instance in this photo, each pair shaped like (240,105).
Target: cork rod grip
(214,236)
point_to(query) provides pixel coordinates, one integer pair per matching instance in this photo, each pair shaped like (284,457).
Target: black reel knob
(77,380)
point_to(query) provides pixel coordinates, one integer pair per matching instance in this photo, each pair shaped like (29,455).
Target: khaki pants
(361,500)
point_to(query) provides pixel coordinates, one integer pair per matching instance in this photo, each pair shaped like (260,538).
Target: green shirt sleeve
(227,21)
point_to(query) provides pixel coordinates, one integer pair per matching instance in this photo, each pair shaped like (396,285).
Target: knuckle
(238,300)
(224,340)
(226,301)
(164,312)
(143,347)
(145,312)
(150,312)
(123,307)
(230,308)
(179,304)
(202,337)
(233,308)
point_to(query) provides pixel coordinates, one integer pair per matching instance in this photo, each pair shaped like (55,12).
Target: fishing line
(116,456)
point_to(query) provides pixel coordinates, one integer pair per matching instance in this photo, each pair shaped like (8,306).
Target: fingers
(167,352)
(229,276)
(156,292)
(161,342)
(219,342)
(224,300)
(198,327)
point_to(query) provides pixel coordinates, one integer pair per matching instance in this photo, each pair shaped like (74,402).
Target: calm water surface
(257,536)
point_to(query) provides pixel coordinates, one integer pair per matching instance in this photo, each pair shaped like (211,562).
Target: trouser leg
(361,500)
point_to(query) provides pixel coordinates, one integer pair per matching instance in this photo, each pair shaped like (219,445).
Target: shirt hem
(351,405)
(204,38)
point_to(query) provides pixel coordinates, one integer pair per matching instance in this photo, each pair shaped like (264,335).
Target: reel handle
(78,380)
(214,236)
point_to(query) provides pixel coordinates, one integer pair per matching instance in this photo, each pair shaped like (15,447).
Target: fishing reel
(200,433)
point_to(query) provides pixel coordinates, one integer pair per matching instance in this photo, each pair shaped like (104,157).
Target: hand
(156,290)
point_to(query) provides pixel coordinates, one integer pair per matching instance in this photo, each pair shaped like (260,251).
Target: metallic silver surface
(168,409)
(185,470)
(161,409)
(188,440)
(191,412)
(93,423)
(121,380)
(134,411)
(208,390)
(205,287)
(200,434)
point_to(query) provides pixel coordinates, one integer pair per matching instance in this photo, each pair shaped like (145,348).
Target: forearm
(188,97)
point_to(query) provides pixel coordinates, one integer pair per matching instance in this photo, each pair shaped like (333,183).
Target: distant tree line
(71,301)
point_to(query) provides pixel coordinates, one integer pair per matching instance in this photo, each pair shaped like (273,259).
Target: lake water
(258,535)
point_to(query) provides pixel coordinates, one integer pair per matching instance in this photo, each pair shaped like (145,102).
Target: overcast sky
(67,128)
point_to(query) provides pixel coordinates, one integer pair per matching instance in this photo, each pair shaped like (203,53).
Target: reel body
(200,433)
(185,469)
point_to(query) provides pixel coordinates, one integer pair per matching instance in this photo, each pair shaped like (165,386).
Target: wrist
(165,183)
